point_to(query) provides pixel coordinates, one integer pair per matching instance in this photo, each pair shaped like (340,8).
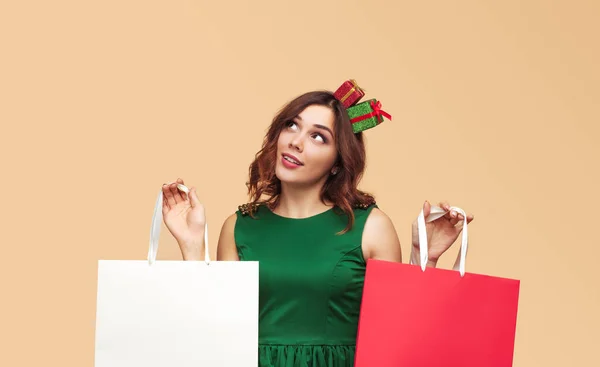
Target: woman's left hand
(441,233)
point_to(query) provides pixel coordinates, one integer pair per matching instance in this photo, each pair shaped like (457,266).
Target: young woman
(312,231)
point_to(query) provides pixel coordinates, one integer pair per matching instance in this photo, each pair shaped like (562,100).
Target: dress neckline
(298,219)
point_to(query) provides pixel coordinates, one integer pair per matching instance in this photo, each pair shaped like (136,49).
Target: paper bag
(419,316)
(176,313)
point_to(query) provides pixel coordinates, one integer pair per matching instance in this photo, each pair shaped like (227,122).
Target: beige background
(494,104)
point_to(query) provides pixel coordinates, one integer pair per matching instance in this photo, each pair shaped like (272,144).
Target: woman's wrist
(415,257)
(191,251)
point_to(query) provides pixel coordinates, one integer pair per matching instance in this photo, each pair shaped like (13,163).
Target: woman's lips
(288,164)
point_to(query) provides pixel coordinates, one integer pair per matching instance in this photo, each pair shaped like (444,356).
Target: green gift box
(366,115)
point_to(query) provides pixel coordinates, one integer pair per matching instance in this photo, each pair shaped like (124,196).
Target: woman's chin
(295,178)
(285,176)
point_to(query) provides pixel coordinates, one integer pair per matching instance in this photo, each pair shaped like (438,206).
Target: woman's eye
(292,125)
(321,138)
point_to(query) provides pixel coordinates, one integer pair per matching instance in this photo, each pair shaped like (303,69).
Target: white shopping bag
(176,313)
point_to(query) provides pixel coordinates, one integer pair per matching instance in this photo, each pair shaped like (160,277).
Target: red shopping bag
(416,316)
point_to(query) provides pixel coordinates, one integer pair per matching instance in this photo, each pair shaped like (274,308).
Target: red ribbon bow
(378,111)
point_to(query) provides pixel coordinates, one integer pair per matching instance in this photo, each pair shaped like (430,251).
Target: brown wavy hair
(342,188)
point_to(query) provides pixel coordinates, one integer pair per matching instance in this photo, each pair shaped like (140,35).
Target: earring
(334,171)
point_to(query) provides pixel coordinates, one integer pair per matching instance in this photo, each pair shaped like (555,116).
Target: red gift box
(349,93)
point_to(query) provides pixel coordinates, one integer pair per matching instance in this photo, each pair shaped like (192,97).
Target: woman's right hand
(184,216)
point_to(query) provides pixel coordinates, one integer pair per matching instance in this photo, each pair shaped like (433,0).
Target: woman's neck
(297,202)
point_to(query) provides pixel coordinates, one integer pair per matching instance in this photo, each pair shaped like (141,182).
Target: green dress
(310,286)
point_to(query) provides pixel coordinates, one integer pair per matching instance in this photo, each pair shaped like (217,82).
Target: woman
(312,231)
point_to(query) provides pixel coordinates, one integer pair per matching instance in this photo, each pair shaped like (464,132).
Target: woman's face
(306,148)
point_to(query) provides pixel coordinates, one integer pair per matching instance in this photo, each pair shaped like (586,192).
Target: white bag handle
(436,213)
(157,219)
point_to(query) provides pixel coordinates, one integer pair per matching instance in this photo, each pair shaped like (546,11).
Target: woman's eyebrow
(323,128)
(318,126)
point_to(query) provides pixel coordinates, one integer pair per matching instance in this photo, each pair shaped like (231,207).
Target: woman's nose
(296,143)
